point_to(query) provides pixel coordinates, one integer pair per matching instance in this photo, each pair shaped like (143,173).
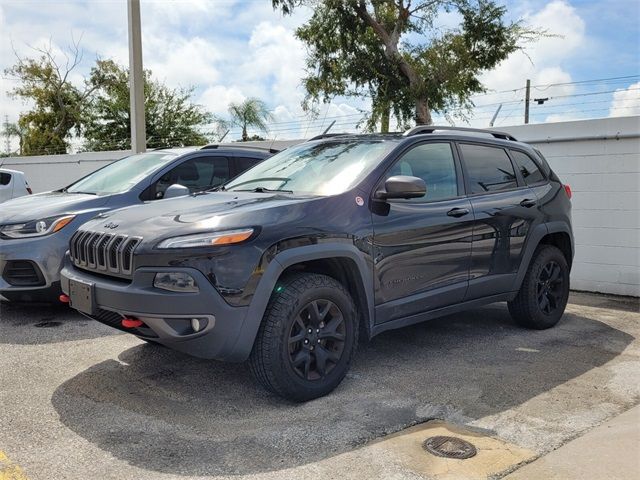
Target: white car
(12,184)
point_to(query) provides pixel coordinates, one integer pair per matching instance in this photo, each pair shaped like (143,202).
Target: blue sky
(230,50)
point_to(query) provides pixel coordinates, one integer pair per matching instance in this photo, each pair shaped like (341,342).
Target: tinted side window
(488,168)
(245,163)
(197,174)
(434,163)
(528,168)
(545,165)
(5,178)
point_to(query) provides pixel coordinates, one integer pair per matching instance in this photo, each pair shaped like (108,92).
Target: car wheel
(543,295)
(307,338)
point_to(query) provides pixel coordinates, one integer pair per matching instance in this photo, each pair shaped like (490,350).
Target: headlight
(36,228)
(228,237)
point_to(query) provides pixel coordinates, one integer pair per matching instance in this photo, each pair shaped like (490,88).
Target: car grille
(22,273)
(105,253)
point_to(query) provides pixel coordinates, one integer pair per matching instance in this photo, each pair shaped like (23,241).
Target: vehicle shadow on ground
(163,411)
(41,323)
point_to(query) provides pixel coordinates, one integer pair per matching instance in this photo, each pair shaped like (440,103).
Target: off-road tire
(271,358)
(526,308)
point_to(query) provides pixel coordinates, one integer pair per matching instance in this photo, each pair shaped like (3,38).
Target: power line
(593,93)
(578,82)
(584,82)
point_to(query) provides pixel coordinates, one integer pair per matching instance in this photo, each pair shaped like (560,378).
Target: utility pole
(136,79)
(7,136)
(526,102)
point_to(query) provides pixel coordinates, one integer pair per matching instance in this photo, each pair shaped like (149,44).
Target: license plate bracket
(81,296)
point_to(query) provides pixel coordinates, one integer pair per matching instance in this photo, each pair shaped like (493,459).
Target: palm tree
(250,113)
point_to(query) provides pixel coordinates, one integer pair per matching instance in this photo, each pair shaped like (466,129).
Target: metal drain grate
(449,447)
(48,324)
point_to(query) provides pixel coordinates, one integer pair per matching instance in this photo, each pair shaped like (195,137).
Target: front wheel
(544,293)
(307,338)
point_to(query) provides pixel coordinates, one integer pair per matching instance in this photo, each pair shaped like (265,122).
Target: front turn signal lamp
(212,239)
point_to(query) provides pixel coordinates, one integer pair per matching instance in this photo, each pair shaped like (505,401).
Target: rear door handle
(527,202)
(458,212)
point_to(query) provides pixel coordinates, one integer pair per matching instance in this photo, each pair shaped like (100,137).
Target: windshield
(120,176)
(327,168)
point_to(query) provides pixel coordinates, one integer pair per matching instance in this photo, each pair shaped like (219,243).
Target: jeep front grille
(105,253)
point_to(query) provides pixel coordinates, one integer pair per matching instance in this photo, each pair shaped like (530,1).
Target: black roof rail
(432,128)
(326,135)
(213,146)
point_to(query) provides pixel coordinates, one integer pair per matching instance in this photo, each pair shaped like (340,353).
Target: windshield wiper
(285,180)
(80,193)
(264,190)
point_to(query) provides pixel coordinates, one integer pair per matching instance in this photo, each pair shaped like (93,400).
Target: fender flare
(538,233)
(253,319)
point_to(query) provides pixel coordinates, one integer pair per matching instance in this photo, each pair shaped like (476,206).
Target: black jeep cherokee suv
(335,238)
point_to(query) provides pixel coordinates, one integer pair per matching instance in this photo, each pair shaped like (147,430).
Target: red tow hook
(64,298)
(131,323)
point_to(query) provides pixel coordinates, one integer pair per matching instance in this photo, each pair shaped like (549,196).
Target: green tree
(171,118)
(58,105)
(392,51)
(14,130)
(345,58)
(250,113)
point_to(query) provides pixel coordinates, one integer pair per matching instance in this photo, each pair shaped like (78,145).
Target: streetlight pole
(136,79)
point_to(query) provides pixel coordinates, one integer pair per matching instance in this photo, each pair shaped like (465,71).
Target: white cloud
(626,102)
(217,98)
(183,62)
(560,19)
(276,54)
(542,62)
(563,117)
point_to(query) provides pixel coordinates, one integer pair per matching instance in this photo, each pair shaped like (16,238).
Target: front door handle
(458,212)
(527,202)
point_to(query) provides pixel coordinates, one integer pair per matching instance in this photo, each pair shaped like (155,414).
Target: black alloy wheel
(316,339)
(544,292)
(307,338)
(549,291)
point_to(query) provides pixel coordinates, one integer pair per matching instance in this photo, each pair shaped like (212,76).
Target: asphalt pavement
(79,400)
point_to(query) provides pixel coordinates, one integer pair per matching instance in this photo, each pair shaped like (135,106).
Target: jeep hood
(49,204)
(194,213)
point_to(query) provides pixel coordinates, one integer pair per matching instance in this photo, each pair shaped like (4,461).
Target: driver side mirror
(176,190)
(402,186)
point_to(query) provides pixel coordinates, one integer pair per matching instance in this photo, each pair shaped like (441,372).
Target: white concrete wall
(604,176)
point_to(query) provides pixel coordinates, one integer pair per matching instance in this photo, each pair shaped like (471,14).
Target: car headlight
(36,228)
(228,237)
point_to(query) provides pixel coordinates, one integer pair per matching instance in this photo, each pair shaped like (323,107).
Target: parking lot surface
(80,400)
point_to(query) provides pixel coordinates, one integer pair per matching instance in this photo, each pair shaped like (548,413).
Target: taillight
(567,189)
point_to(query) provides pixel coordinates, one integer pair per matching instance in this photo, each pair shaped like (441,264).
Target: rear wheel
(543,296)
(307,338)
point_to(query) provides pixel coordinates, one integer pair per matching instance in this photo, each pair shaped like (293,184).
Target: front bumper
(166,315)
(47,256)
